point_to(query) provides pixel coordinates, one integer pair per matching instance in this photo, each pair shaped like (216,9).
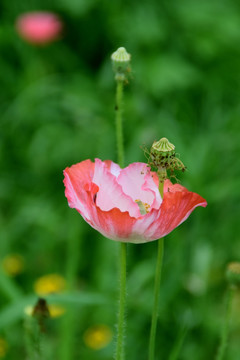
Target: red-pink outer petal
(75,181)
(175,208)
(177,205)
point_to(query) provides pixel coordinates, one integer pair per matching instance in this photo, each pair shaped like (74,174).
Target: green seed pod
(121,56)
(163,157)
(121,64)
(163,147)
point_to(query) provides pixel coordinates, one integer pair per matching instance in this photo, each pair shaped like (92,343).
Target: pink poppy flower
(125,204)
(39,28)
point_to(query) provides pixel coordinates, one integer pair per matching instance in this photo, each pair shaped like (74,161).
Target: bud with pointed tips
(121,55)
(163,147)
(163,157)
(121,64)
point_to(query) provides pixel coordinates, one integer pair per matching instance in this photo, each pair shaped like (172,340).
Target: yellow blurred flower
(49,284)
(97,337)
(54,310)
(13,264)
(3,347)
(28,310)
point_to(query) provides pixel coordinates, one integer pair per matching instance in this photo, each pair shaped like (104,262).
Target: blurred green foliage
(57,108)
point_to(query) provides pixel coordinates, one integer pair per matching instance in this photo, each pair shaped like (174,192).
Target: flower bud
(163,157)
(233,273)
(121,64)
(162,148)
(39,28)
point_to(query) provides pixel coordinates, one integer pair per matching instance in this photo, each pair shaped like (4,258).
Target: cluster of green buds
(163,157)
(121,64)
(233,274)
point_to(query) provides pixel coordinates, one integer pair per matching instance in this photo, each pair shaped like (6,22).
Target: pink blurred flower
(39,28)
(111,199)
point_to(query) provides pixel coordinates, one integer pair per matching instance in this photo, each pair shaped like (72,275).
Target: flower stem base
(122,302)
(153,330)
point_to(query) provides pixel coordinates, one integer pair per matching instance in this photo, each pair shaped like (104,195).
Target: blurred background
(57,109)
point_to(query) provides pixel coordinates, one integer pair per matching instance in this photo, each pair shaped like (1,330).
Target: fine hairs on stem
(120,59)
(152,339)
(119,127)
(122,303)
(160,153)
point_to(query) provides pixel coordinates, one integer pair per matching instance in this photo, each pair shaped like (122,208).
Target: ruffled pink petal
(113,224)
(77,177)
(150,185)
(168,186)
(155,178)
(88,185)
(110,194)
(113,167)
(137,182)
(178,203)
(141,227)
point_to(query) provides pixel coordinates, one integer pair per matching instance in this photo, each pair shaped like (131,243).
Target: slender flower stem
(123,246)
(225,330)
(119,130)
(121,68)
(122,303)
(156,299)
(153,330)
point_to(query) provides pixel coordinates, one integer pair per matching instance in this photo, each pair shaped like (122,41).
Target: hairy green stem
(160,252)
(224,337)
(123,246)
(119,128)
(153,330)
(122,303)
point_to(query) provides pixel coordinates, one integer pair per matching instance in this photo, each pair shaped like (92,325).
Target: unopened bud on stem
(121,64)
(163,157)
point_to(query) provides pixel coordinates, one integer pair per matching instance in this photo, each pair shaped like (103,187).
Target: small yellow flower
(13,264)
(49,284)
(97,337)
(54,310)
(28,310)
(3,347)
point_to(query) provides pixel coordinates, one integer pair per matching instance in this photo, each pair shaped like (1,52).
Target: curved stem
(119,130)
(156,299)
(225,330)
